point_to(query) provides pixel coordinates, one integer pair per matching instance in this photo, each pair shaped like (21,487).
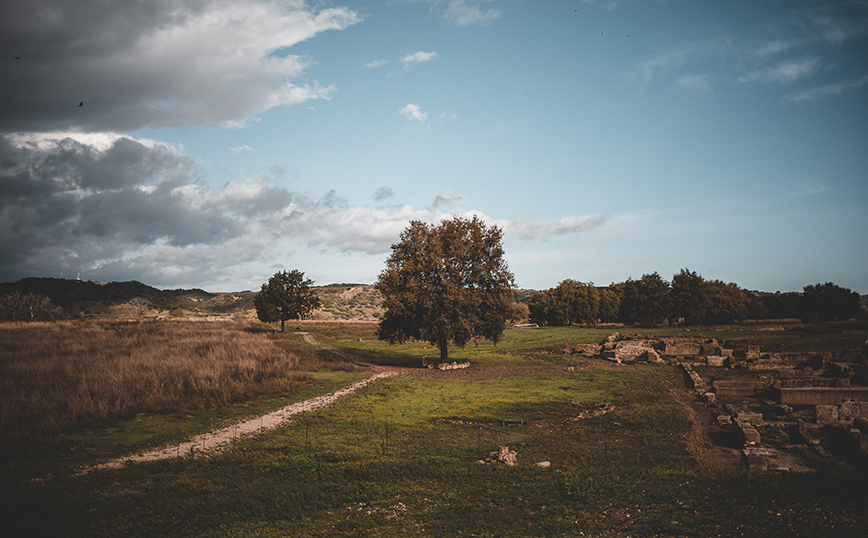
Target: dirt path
(708,456)
(221,439)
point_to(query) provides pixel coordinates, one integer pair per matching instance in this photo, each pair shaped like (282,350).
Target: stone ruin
(444,365)
(508,457)
(799,412)
(805,395)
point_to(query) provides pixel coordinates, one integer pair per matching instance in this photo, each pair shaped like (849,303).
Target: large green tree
(645,301)
(446,283)
(286,295)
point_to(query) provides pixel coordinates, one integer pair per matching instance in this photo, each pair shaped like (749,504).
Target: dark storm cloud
(161,63)
(65,205)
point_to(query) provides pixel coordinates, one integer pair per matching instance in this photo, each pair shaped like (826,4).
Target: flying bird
(17,57)
(81,103)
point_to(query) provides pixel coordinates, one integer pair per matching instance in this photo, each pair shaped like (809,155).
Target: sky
(211,143)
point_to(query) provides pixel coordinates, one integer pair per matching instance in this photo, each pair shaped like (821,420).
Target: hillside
(94,300)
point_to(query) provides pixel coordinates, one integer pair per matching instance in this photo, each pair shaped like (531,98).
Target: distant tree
(541,308)
(520,312)
(727,303)
(17,306)
(756,308)
(137,306)
(645,301)
(571,302)
(446,283)
(783,305)
(581,302)
(286,295)
(828,302)
(610,303)
(690,297)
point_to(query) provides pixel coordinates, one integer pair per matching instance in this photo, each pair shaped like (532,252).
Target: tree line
(688,299)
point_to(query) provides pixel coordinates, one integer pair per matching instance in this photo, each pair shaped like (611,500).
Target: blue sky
(219,142)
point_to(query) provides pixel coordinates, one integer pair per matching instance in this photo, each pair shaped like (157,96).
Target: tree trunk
(281,324)
(444,346)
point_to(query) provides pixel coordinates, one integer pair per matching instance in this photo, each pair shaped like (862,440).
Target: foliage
(610,303)
(645,301)
(570,303)
(828,302)
(446,283)
(286,295)
(710,302)
(727,303)
(690,297)
(17,306)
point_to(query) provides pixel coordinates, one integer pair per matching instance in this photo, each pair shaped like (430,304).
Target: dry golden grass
(59,377)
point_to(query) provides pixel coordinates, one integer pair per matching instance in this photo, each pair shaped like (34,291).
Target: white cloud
(416,58)
(699,83)
(834,89)
(446,200)
(464,13)
(412,112)
(539,229)
(785,72)
(239,149)
(376,63)
(809,188)
(165,63)
(775,47)
(383,193)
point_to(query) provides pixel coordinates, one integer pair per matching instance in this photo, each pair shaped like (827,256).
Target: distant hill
(95,299)
(85,298)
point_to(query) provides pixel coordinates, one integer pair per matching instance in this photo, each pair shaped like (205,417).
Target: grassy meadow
(398,458)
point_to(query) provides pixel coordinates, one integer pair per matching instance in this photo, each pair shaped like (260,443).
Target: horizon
(211,144)
(316,285)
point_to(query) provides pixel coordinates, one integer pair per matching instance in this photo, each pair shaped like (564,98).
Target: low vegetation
(57,378)
(399,458)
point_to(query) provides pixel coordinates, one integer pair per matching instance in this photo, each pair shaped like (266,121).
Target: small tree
(18,306)
(446,283)
(286,295)
(136,307)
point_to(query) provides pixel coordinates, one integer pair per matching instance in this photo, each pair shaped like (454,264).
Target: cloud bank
(124,209)
(137,65)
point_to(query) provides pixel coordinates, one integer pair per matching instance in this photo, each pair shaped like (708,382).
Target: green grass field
(399,458)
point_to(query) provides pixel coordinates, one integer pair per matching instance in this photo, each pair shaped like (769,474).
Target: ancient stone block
(750,436)
(504,455)
(851,409)
(715,360)
(749,416)
(827,414)
(709,348)
(681,349)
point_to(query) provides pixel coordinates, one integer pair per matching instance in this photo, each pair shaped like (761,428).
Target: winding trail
(221,439)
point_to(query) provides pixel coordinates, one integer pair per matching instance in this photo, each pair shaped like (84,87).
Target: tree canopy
(286,295)
(570,303)
(446,283)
